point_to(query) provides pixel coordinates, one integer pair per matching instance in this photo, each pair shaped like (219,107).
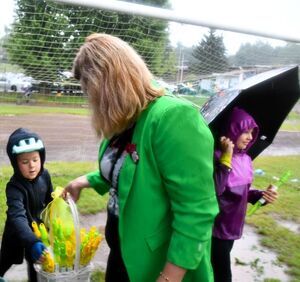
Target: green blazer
(167,199)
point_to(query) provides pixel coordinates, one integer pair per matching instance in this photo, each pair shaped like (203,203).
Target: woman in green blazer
(156,162)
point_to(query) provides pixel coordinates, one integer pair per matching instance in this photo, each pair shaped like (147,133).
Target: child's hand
(37,252)
(226,145)
(42,258)
(270,195)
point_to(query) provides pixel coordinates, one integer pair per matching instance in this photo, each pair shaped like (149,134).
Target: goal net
(38,49)
(41,44)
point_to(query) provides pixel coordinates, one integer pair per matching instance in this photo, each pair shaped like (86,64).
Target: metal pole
(165,14)
(181,67)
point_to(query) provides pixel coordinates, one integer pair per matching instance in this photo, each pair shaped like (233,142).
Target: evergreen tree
(46,35)
(261,53)
(209,54)
(257,54)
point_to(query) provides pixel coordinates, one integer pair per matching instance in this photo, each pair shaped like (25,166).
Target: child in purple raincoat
(233,179)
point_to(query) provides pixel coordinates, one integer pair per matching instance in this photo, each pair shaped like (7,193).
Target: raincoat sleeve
(221,175)
(183,148)
(254,195)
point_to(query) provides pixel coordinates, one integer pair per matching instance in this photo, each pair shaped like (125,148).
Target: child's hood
(23,140)
(239,122)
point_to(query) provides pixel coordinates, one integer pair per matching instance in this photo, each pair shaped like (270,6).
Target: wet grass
(281,240)
(50,99)
(13,109)
(97,276)
(198,100)
(291,125)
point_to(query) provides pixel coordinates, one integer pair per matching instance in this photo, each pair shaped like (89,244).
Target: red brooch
(131,149)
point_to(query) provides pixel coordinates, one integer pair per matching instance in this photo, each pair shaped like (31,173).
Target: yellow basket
(80,274)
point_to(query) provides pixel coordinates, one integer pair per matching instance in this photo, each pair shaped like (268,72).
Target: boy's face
(29,164)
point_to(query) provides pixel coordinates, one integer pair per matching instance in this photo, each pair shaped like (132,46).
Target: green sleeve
(184,152)
(95,180)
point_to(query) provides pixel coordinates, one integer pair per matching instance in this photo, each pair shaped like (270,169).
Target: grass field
(282,240)
(13,109)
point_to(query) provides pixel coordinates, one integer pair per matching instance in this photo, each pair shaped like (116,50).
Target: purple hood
(239,122)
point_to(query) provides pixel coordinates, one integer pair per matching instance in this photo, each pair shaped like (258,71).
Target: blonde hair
(116,80)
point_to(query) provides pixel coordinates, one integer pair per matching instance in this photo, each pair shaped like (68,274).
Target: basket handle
(77,230)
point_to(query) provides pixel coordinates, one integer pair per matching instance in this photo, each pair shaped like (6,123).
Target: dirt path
(66,137)
(71,138)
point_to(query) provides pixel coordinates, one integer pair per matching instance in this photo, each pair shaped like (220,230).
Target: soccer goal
(189,56)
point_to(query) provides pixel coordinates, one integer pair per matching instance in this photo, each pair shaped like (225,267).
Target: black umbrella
(268,97)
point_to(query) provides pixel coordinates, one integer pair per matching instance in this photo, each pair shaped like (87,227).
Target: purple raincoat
(233,185)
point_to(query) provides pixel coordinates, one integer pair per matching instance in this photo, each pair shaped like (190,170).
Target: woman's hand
(172,273)
(270,195)
(74,187)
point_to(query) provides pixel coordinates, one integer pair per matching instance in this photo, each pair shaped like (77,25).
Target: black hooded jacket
(25,201)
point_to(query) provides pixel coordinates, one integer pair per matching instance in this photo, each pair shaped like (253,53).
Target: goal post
(204,19)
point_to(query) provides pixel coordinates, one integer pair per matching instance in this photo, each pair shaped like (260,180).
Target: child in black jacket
(27,192)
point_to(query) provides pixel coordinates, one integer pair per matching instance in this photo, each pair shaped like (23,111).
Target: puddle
(252,262)
(292,226)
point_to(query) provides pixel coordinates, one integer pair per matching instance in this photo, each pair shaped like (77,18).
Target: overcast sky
(270,16)
(6,14)
(280,16)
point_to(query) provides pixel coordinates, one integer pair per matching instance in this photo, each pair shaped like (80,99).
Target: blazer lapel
(129,167)
(127,174)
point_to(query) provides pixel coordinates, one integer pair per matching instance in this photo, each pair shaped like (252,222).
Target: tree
(209,55)
(287,55)
(259,53)
(46,35)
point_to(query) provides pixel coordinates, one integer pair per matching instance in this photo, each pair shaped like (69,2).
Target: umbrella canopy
(268,97)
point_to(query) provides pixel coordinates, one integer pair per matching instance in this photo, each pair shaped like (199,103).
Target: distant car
(166,85)
(186,90)
(4,84)
(19,85)
(13,85)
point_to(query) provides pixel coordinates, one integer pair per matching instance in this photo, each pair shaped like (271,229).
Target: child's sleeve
(17,216)
(221,174)
(254,195)
(225,159)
